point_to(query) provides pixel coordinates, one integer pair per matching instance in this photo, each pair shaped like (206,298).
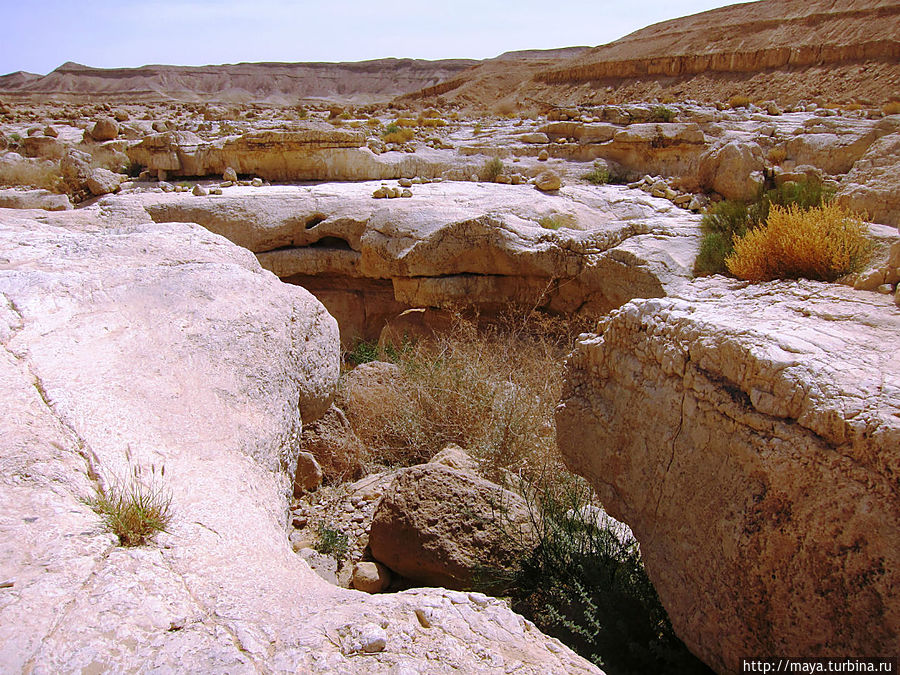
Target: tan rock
(105,129)
(548,181)
(308,475)
(229,175)
(104,182)
(456,458)
(733,170)
(752,459)
(440,526)
(371,577)
(33,199)
(873,184)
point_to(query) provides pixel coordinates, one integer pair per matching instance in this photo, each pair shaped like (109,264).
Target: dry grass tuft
(891,108)
(135,508)
(38,173)
(491,390)
(739,102)
(823,243)
(395,134)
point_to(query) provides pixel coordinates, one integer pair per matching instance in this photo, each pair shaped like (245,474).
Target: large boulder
(734,170)
(749,435)
(444,527)
(131,344)
(105,129)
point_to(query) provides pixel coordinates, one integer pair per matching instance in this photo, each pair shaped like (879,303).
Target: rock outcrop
(749,435)
(453,243)
(129,343)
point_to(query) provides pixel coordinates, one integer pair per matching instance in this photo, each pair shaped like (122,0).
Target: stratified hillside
(364,81)
(834,50)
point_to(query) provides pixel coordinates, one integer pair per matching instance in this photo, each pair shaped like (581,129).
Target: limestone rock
(334,445)
(229,175)
(33,199)
(105,129)
(538,138)
(548,181)
(199,191)
(873,184)
(103,182)
(748,435)
(456,458)
(371,577)
(441,526)
(75,167)
(308,475)
(733,170)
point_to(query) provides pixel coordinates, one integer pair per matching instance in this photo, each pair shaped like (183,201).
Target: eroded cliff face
(126,343)
(749,435)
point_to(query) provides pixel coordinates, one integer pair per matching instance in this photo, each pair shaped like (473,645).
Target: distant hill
(836,50)
(359,82)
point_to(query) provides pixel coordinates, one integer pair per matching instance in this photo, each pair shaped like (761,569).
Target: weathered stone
(33,199)
(199,191)
(105,129)
(308,475)
(771,415)
(229,175)
(733,170)
(440,526)
(371,577)
(103,182)
(548,181)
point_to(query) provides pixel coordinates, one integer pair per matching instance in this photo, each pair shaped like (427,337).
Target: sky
(41,35)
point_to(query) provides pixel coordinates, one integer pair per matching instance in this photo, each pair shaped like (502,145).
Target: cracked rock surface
(749,436)
(167,344)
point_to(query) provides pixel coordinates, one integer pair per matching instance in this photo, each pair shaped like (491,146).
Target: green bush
(661,113)
(599,175)
(585,584)
(492,169)
(332,542)
(550,223)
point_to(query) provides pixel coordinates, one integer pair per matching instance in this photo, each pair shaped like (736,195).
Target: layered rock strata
(748,434)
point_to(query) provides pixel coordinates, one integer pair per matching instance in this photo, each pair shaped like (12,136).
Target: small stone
(256,182)
(160,127)
(371,577)
(103,182)
(406,193)
(308,475)
(166,187)
(299,522)
(543,156)
(405,182)
(199,191)
(548,181)
(504,179)
(51,131)
(380,193)
(885,289)
(215,191)
(230,175)
(368,638)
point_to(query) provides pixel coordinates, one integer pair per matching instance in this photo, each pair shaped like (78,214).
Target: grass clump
(492,169)
(332,542)
(550,223)
(739,102)
(585,584)
(822,243)
(599,175)
(491,390)
(891,108)
(136,508)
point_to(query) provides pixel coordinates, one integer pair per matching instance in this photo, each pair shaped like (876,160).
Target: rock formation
(129,344)
(452,243)
(748,435)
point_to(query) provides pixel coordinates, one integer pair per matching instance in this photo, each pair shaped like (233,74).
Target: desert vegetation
(730,221)
(136,506)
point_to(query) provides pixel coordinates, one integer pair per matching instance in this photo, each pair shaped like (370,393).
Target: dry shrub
(431,122)
(394,134)
(405,122)
(739,102)
(777,154)
(39,173)
(891,108)
(491,390)
(823,243)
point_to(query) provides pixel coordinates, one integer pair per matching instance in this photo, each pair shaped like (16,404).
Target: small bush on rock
(823,244)
(599,175)
(395,134)
(332,542)
(661,113)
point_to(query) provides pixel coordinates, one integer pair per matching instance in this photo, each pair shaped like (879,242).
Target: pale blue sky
(41,35)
